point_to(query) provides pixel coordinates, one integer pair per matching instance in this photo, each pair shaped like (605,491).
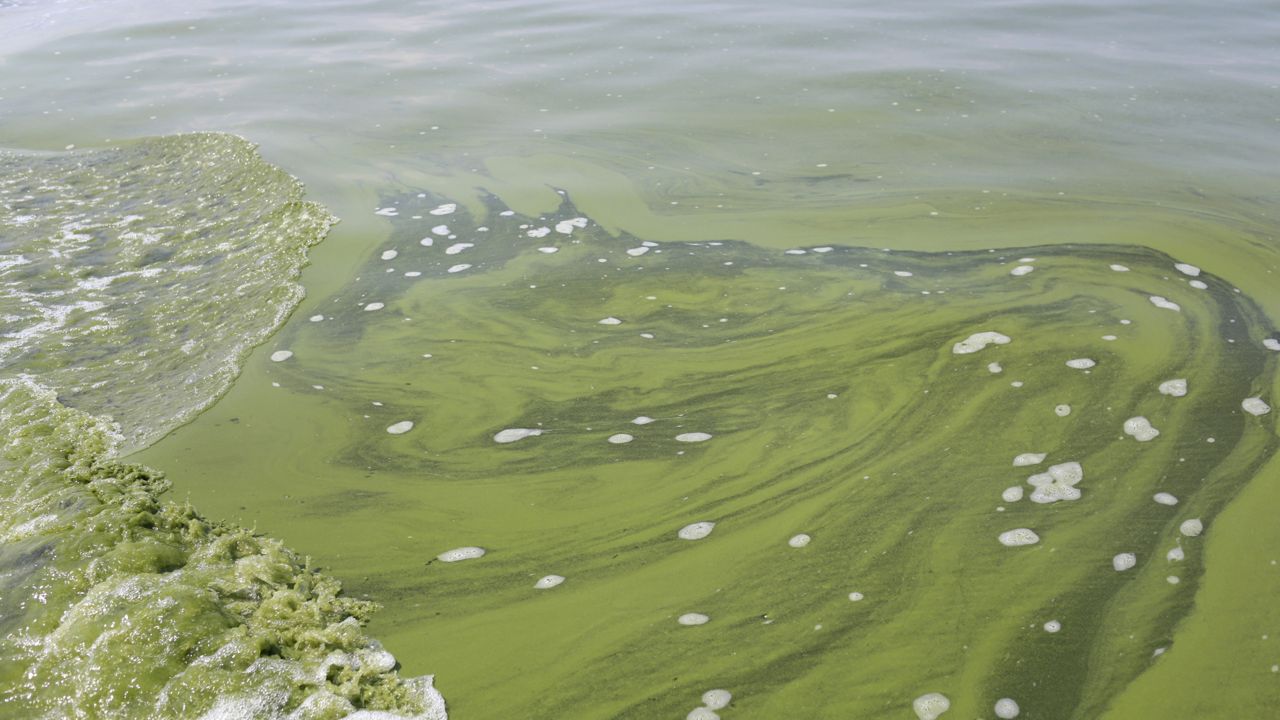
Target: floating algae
(148,271)
(893,478)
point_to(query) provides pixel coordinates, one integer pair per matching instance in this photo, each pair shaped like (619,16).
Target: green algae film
(132,282)
(656,424)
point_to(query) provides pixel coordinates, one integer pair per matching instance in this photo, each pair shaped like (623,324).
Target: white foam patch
(547,582)
(1081,363)
(539,232)
(1124,561)
(1199,285)
(702,713)
(1007,708)
(1271,344)
(456,248)
(1021,270)
(1140,428)
(445,209)
(389,254)
(413,273)
(1165,498)
(441,230)
(642,420)
(796,251)
(1186,269)
(281,355)
(1062,410)
(1018,537)
(1052,626)
(1165,304)
(620,439)
(717,699)
(610,321)
(1012,494)
(978,341)
(693,437)
(387,212)
(459,267)
(373,306)
(426,242)
(511,435)
(930,706)
(1174,388)
(1255,406)
(1057,483)
(1028,459)
(459,554)
(696,531)
(1119,268)
(800,540)
(637,251)
(1175,555)
(316,318)
(401,427)
(994,368)
(1192,527)
(693,619)
(902,273)
(856,597)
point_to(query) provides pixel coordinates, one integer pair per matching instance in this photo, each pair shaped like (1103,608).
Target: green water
(945,139)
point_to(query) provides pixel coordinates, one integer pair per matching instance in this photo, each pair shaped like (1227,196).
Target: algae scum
(593,475)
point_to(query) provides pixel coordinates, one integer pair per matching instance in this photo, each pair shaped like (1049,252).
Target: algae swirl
(838,425)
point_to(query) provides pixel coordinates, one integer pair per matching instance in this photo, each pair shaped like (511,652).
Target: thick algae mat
(134,280)
(836,406)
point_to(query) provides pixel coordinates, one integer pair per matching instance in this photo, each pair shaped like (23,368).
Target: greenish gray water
(945,139)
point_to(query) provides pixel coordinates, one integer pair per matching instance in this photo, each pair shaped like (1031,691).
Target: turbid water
(833,357)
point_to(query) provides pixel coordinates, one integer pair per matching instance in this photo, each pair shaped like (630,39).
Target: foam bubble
(548,250)
(281,355)
(1052,626)
(693,619)
(440,230)
(1186,269)
(1165,304)
(387,212)
(930,706)
(1081,363)
(459,268)
(702,713)
(401,427)
(978,341)
(856,597)
(1007,708)
(1119,268)
(1255,406)
(696,531)
(1165,498)
(902,273)
(511,435)
(1018,537)
(444,209)
(389,254)
(610,321)
(799,541)
(994,368)
(456,248)
(1062,410)
(426,242)
(637,251)
(1057,483)
(620,438)
(1192,527)
(539,232)
(716,699)
(1271,344)
(642,420)
(548,581)
(316,318)
(1140,428)
(373,306)
(1199,285)
(796,251)
(459,554)
(693,437)
(1028,459)
(1173,579)
(1021,270)
(1174,388)
(1124,561)
(1175,555)
(1012,494)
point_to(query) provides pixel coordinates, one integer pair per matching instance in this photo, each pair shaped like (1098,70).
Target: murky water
(715,262)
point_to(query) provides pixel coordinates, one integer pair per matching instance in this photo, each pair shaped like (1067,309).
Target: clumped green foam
(120,604)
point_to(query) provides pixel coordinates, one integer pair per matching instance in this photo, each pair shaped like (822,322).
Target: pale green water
(1087,134)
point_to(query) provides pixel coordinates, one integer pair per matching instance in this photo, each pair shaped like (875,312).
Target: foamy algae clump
(978,341)
(1057,483)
